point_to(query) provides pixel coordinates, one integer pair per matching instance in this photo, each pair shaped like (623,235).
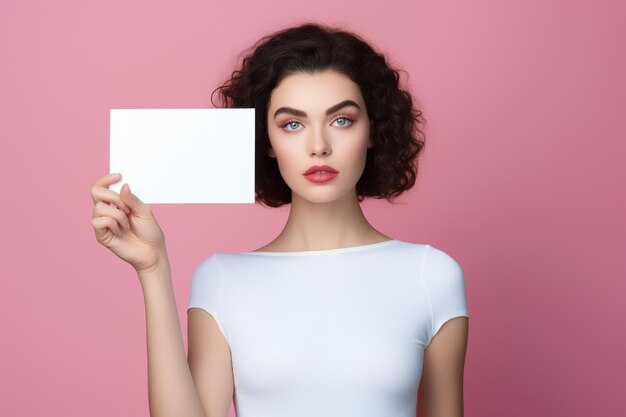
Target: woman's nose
(319,143)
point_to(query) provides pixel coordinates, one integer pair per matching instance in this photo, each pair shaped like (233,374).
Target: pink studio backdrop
(522,181)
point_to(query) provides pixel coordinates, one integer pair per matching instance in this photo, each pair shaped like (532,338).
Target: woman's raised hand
(125,225)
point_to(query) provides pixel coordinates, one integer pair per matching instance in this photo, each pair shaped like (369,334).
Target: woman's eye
(291,123)
(345,121)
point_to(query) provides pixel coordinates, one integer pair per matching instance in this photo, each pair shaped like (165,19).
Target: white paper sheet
(184,155)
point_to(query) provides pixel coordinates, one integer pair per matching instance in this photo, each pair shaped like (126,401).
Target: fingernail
(115,175)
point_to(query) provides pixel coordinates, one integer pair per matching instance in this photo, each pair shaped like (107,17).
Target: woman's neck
(320,226)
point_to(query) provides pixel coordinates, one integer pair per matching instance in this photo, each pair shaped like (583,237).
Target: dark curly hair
(391,164)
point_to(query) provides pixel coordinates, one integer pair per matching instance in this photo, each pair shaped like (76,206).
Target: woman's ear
(270,153)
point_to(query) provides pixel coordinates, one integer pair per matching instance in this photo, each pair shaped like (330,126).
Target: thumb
(132,201)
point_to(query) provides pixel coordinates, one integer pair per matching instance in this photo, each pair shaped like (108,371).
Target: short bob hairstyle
(391,164)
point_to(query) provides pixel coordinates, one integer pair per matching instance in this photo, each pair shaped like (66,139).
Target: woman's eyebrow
(300,113)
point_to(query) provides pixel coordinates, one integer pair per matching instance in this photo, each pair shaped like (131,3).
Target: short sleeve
(206,288)
(444,281)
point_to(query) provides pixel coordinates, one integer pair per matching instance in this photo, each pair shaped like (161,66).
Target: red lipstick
(320,173)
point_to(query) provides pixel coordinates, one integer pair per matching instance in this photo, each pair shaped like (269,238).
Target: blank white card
(184,155)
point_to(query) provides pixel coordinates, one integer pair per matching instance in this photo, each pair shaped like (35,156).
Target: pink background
(522,182)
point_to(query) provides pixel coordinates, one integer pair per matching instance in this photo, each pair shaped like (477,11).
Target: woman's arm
(125,225)
(440,391)
(171,389)
(210,363)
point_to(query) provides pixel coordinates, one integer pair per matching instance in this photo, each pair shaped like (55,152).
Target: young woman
(332,317)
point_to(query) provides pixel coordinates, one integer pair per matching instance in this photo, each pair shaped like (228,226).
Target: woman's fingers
(110,213)
(100,192)
(138,207)
(106,180)
(101,209)
(105,225)
(110,196)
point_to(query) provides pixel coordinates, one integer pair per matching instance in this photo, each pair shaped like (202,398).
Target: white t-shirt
(337,332)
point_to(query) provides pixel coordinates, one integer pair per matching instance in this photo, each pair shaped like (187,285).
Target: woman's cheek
(288,162)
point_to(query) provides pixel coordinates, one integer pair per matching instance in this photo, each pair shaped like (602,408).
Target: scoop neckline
(326,251)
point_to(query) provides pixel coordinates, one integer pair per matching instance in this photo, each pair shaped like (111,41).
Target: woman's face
(308,125)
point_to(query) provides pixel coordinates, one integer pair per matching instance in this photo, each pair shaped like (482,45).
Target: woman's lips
(321,177)
(317,168)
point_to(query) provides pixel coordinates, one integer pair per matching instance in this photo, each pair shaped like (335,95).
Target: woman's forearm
(171,389)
